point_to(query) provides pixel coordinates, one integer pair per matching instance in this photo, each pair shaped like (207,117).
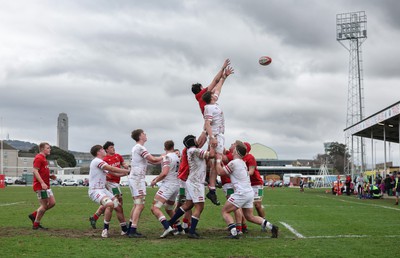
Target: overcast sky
(115,66)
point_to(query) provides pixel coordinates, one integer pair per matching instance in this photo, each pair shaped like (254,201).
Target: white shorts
(137,186)
(97,195)
(195,192)
(113,188)
(242,200)
(228,189)
(168,192)
(220,143)
(44,194)
(258,192)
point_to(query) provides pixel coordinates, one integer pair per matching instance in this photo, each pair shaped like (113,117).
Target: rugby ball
(265,60)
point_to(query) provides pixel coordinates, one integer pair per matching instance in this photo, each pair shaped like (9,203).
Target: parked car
(8,181)
(20,181)
(70,182)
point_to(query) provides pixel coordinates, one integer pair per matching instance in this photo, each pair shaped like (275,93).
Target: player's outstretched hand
(226,63)
(228,71)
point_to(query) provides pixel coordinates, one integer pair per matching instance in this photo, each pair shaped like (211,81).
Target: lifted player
(199,91)
(214,124)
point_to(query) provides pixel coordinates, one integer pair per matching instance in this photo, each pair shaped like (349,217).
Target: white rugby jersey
(214,113)
(97,176)
(197,165)
(237,171)
(138,160)
(172,161)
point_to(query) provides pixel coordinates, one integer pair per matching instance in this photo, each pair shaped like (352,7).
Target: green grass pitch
(312,224)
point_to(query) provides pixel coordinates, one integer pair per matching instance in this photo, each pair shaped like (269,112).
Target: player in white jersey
(97,184)
(169,189)
(194,183)
(136,179)
(243,195)
(214,124)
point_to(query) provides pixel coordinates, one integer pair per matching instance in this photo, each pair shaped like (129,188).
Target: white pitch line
(322,237)
(292,229)
(340,236)
(9,204)
(360,203)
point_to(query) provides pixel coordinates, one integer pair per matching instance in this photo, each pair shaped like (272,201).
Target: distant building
(62,131)
(8,160)
(269,164)
(16,163)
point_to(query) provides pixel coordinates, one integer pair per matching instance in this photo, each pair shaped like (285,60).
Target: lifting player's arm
(208,129)
(218,75)
(220,169)
(251,170)
(202,139)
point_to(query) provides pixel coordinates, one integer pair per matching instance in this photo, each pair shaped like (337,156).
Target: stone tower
(62,131)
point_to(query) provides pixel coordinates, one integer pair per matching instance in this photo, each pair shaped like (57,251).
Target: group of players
(182,178)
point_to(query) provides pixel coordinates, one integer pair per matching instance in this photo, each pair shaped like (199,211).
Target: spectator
(348,182)
(388,185)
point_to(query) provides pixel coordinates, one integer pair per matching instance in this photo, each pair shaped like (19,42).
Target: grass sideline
(317,225)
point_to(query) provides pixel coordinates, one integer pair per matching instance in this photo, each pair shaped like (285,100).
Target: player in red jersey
(115,160)
(199,91)
(257,183)
(41,185)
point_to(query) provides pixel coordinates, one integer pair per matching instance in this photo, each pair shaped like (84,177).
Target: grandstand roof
(382,125)
(261,151)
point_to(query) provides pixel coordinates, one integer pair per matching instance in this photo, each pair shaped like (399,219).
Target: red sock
(244,226)
(239,228)
(95,216)
(185,220)
(36,224)
(34,214)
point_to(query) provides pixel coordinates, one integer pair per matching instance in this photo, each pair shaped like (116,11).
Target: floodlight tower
(352,28)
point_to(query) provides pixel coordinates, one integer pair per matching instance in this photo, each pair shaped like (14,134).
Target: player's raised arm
(218,76)
(228,71)
(202,139)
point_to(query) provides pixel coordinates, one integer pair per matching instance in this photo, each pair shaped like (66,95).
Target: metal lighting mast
(352,28)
